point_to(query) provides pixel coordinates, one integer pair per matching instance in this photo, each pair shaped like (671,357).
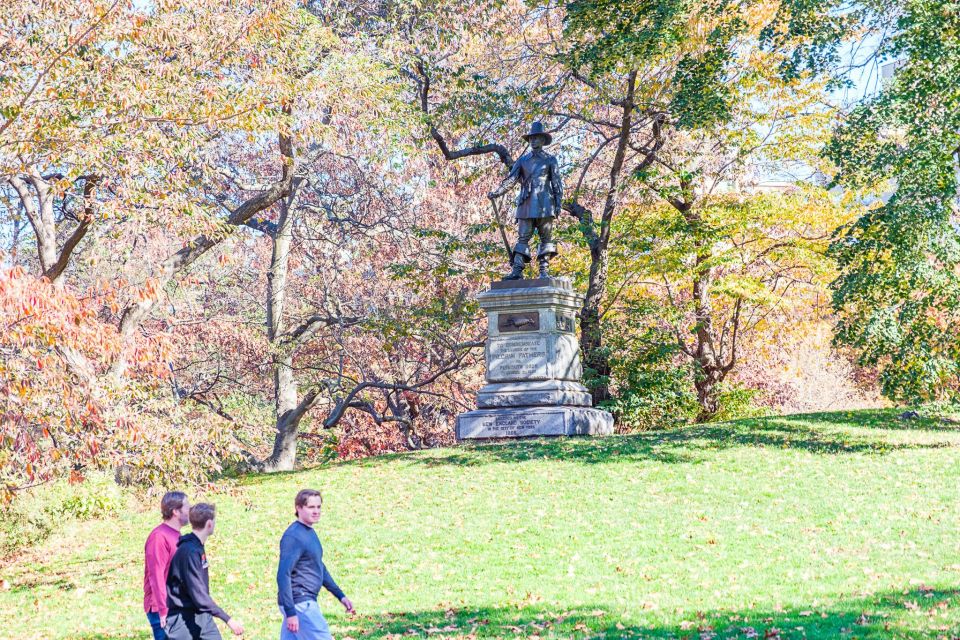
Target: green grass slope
(841,525)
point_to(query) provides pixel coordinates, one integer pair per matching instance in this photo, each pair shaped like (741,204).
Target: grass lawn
(839,525)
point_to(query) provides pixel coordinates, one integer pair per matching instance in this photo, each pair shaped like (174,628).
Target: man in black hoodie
(192,610)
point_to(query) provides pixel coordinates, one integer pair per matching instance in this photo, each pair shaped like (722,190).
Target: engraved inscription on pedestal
(526,321)
(517,357)
(533,366)
(514,425)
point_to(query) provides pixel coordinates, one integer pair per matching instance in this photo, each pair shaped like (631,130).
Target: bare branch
(261,225)
(78,234)
(460,351)
(314,323)
(423,90)
(174,264)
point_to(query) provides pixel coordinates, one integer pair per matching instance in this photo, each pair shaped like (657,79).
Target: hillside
(841,525)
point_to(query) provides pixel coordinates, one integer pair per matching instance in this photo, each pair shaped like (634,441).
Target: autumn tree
(181,87)
(661,101)
(55,423)
(767,264)
(373,324)
(338,345)
(107,109)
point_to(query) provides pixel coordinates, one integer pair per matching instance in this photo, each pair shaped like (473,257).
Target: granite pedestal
(533,366)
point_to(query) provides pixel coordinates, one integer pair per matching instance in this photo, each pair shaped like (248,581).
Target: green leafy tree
(898,294)
(764,253)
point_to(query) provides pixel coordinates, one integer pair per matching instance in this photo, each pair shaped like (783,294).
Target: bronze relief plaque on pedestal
(524,321)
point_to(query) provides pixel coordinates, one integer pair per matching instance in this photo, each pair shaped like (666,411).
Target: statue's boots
(543,262)
(517,272)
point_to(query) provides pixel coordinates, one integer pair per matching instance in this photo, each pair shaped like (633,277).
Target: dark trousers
(525,229)
(158,633)
(186,625)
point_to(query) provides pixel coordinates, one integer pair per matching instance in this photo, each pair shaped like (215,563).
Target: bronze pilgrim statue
(541,193)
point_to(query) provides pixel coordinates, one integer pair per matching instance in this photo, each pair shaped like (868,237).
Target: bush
(737,402)
(939,410)
(653,399)
(33,516)
(651,389)
(652,383)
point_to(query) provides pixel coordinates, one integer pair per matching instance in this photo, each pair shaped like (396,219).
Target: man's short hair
(302,496)
(171,501)
(202,513)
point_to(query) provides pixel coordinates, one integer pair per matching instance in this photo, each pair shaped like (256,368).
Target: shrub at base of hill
(652,390)
(653,399)
(738,402)
(45,509)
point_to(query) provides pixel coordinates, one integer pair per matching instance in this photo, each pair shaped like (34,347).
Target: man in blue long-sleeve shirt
(302,573)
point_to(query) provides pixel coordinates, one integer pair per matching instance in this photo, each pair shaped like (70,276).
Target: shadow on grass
(820,433)
(920,613)
(825,433)
(59,577)
(875,419)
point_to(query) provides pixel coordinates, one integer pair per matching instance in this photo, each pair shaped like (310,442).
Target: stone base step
(522,422)
(541,393)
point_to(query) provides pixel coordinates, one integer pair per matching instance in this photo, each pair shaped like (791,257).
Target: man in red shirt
(157,553)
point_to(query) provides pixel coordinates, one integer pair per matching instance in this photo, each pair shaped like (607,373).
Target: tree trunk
(596,360)
(39,210)
(47,233)
(284,456)
(707,384)
(595,356)
(708,366)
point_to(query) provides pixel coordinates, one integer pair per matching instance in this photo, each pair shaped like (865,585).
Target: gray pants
(185,625)
(525,229)
(313,626)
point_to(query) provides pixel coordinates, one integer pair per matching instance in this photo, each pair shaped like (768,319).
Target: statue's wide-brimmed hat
(536,129)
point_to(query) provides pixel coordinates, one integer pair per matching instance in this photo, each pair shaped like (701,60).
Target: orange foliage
(60,415)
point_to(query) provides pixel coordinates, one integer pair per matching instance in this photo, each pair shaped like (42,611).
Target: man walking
(302,573)
(157,552)
(192,610)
